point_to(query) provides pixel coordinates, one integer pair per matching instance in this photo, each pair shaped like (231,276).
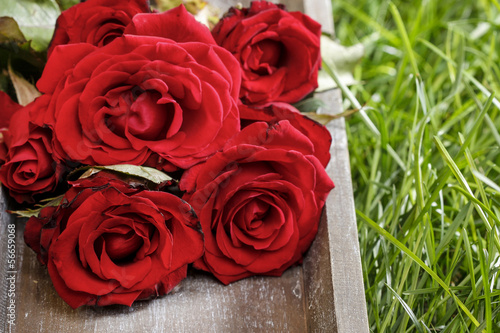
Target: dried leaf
(52,202)
(25,91)
(147,173)
(324,118)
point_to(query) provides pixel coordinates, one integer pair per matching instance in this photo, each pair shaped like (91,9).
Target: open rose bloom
(259,201)
(278,51)
(167,101)
(242,172)
(111,243)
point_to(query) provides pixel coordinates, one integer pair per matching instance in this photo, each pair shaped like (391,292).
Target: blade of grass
(477,202)
(404,37)
(486,284)
(495,314)
(354,10)
(458,222)
(486,180)
(348,94)
(419,261)
(446,173)
(408,310)
(465,185)
(421,291)
(466,74)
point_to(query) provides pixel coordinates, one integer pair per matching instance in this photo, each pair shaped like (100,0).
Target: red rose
(114,243)
(143,98)
(176,24)
(9,107)
(259,201)
(273,112)
(29,166)
(279,51)
(96,22)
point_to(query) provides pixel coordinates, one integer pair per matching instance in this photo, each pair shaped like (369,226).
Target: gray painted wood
(342,235)
(325,294)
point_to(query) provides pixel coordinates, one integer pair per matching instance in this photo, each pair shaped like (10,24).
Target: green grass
(426,180)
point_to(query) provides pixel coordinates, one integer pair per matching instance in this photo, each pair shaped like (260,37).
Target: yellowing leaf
(9,30)
(25,91)
(34,212)
(150,174)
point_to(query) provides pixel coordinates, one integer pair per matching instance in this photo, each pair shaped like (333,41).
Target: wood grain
(325,294)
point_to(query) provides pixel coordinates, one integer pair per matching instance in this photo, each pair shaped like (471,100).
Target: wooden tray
(325,294)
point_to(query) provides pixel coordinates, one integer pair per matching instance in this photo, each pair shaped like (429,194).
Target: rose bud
(273,112)
(30,167)
(279,51)
(114,243)
(96,22)
(259,201)
(142,99)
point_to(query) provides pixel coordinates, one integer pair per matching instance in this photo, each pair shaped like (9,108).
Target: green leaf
(25,91)
(147,173)
(164,5)
(65,4)
(9,31)
(309,104)
(342,58)
(36,19)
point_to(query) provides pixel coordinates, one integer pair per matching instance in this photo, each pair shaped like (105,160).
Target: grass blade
(465,185)
(419,261)
(404,36)
(407,309)
(361,110)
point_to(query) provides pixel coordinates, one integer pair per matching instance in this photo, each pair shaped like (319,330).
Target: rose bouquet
(157,143)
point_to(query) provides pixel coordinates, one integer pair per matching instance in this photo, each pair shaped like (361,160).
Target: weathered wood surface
(325,294)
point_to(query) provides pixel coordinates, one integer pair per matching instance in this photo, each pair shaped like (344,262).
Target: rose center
(120,246)
(268,56)
(142,116)
(251,216)
(109,30)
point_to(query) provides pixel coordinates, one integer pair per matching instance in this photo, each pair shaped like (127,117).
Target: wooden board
(325,294)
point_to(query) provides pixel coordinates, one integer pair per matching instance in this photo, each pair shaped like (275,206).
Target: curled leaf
(150,174)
